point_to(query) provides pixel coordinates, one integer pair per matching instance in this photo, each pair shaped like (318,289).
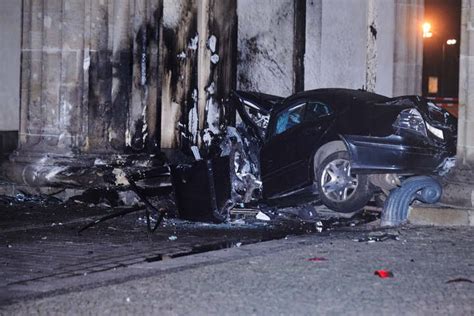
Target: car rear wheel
(339,188)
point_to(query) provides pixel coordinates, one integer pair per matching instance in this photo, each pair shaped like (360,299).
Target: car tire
(338,188)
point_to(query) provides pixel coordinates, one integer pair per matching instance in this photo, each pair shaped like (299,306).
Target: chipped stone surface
(265,47)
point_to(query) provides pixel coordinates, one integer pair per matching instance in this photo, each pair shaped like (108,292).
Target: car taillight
(411,120)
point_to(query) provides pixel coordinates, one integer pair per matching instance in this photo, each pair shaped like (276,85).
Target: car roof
(335,94)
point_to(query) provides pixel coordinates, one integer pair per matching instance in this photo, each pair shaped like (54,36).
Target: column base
(84,171)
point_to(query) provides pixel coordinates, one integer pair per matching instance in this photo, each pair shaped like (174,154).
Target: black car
(347,144)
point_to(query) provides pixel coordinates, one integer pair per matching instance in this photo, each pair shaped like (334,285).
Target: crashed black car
(345,144)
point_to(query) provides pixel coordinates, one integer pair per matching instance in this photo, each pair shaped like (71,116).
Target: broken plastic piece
(172,238)
(457,280)
(262,216)
(316,259)
(383,274)
(196,153)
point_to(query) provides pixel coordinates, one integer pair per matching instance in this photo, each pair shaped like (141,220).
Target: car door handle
(313,130)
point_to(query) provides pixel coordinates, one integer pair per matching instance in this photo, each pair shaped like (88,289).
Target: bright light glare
(427,30)
(451,41)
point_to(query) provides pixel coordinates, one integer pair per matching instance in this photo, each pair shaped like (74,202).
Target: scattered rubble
(378,237)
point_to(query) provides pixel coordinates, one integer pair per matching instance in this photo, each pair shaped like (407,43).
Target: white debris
(120,177)
(238,221)
(196,154)
(238,244)
(319,226)
(212,43)
(172,238)
(127,299)
(99,162)
(262,216)
(181,55)
(215,59)
(446,166)
(9,246)
(44,238)
(193,43)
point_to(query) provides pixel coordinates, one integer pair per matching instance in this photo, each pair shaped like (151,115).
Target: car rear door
(319,119)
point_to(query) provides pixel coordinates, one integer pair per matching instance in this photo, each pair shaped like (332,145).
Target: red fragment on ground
(317,259)
(384,274)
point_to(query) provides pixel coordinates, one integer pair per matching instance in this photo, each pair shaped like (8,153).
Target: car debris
(262,216)
(383,274)
(378,237)
(316,259)
(458,280)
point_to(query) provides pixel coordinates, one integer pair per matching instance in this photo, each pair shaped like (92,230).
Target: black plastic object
(203,189)
(422,188)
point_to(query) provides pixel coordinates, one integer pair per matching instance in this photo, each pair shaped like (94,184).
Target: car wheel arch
(325,151)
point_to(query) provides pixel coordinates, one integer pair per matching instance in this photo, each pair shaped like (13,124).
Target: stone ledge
(440,216)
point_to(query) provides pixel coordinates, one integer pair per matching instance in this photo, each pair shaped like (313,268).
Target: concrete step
(436,215)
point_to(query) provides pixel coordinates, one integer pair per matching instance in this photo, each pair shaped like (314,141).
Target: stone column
(408,56)
(199,59)
(89,88)
(459,185)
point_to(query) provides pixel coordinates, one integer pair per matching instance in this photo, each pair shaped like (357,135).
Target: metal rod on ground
(143,198)
(113,215)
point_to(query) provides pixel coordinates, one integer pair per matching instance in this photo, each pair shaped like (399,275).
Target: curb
(440,216)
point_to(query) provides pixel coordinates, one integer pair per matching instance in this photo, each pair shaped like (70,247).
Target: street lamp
(427,33)
(451,41)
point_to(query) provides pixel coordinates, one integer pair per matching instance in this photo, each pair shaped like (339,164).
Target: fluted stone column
(459,186)
(113,82)
(89,88)
(408,55)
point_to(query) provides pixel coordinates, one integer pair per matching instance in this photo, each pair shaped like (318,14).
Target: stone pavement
(432,268)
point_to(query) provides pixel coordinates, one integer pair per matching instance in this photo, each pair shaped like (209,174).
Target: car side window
(317,109)
(289,118)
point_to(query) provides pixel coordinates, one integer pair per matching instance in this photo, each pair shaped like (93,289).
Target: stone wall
(10,35)
(375,44)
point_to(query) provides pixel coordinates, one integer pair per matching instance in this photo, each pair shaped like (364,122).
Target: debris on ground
(262,216)
(23,197)
(316,259)
(458,280)
(378,237)
(383,274)
(172,237)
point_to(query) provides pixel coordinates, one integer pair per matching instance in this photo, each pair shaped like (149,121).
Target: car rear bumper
(393,154)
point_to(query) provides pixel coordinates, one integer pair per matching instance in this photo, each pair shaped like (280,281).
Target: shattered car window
(316,110)
(289,118)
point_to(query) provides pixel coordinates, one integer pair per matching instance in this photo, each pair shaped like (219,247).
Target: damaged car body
(345,145)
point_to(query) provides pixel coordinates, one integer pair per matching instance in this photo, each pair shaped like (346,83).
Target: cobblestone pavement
(316,273)
(311,274)
(41,249)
